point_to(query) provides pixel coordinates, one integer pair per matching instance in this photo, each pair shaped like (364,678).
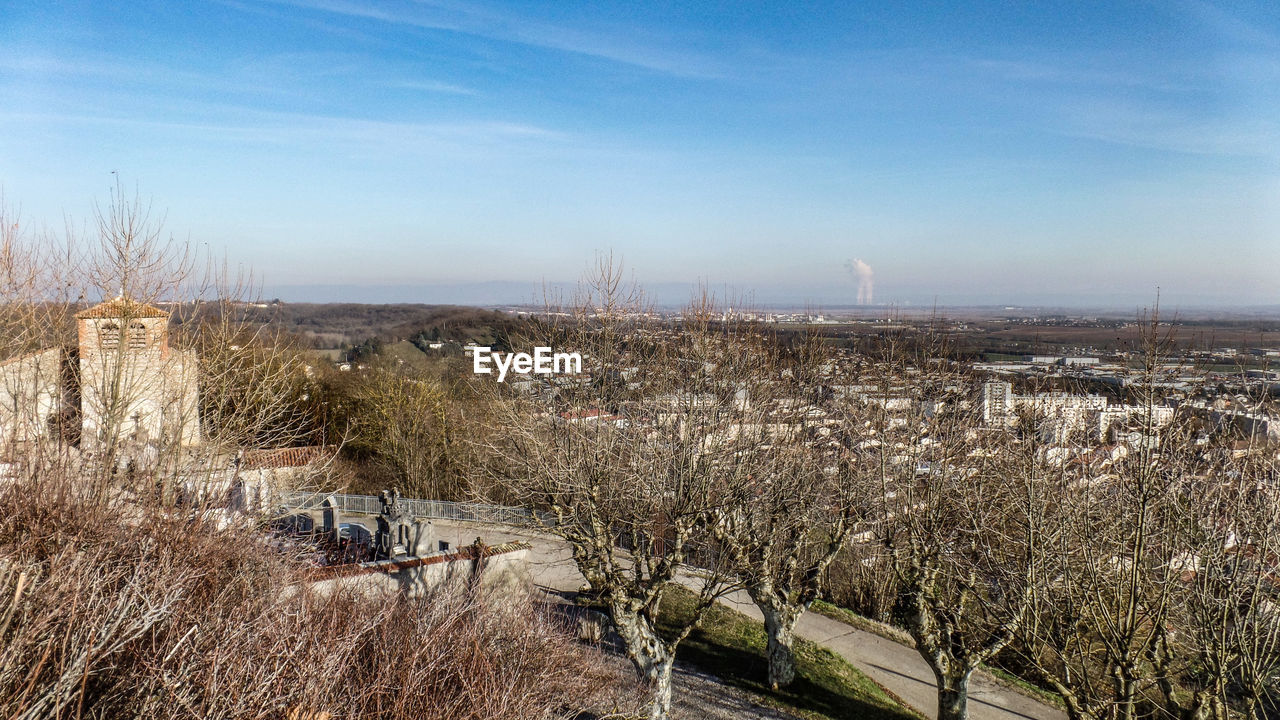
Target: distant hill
(344,325)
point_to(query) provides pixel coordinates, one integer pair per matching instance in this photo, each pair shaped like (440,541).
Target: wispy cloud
(1138,126)
(279,74)
(47,65)
(428,86)
(1079,72)
(1228,26)
(268,74)
(621,47)
(320,131)
(1182,108)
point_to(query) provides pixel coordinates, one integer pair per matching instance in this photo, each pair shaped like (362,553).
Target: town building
(1066,412)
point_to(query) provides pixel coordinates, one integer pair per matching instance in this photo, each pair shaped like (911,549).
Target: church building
(120,384)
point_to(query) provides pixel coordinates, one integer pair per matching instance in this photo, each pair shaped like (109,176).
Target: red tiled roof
(120,307)
(286,457)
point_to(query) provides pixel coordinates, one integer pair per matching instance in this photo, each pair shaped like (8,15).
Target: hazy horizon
(674,295)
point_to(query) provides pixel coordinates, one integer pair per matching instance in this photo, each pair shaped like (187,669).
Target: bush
(130,611)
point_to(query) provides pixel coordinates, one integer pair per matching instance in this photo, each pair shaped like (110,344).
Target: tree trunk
(953,695)
(1125,684)
(650,656)
(779,626)
(780,618)
(1252,708)
(661,708)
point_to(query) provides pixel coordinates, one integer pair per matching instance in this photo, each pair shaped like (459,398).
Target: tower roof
(122,307)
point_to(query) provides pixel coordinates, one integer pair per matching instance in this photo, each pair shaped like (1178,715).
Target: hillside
(340,326)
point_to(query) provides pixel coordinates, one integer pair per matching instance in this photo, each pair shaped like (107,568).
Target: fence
(698,556)
(426,509)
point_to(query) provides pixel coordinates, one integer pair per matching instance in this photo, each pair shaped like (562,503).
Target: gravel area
(697,696)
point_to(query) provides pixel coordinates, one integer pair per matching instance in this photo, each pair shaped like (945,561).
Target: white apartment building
(1092,413)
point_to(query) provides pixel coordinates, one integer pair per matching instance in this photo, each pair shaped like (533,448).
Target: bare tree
(960,513)
(1222,649)
(35,306)
(800,500)
(157,387)
(780,540)
(634,463)
(1109,634)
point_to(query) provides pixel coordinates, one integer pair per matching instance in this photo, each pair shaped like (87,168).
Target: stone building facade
(121,383)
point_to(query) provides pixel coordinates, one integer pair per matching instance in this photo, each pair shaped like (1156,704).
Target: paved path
(897,667)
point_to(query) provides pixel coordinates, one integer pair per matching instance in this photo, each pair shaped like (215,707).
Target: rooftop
(122,307)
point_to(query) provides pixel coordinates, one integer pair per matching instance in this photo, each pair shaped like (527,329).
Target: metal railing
(423,509)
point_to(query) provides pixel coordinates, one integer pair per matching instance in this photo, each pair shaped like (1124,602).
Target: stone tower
(133,387)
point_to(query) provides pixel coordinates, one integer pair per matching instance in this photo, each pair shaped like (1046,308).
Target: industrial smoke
(866,282)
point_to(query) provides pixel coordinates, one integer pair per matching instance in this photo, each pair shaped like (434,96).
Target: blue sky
(1004,152)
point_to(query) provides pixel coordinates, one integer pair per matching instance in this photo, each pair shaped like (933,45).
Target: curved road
(898,668)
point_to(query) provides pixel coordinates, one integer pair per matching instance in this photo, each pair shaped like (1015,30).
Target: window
(109,336)
(137,335)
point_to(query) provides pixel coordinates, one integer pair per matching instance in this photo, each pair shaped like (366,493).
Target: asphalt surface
(896,667)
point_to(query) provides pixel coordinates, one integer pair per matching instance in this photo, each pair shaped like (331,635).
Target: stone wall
(504,571)
(31,394)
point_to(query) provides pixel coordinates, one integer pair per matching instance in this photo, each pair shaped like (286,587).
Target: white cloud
(473,20)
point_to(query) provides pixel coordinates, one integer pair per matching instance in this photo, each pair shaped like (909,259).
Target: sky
(1085,153)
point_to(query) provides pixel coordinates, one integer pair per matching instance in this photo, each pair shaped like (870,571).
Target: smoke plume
(866,280)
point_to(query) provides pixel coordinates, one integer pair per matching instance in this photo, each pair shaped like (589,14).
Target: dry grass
(157,616)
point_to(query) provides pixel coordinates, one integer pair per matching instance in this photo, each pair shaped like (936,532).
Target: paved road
(897,667)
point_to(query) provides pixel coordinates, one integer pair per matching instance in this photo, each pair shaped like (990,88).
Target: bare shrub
(138,612)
